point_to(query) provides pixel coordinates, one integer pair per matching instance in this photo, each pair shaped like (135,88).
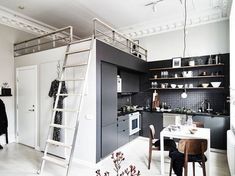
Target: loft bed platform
(64,36)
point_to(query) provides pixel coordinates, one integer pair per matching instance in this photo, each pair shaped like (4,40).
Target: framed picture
(176,62)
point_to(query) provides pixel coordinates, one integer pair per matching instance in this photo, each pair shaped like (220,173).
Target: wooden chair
(168,144)
(192,147)
(199,124)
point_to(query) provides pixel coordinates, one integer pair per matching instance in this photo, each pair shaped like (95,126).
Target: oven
(134,123)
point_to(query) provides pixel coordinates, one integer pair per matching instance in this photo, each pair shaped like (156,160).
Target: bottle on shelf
(210,60)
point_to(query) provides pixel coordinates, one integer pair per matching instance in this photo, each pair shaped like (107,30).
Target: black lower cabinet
(109,139)
(123,137)
(218,127)
(151,118)
(123,130)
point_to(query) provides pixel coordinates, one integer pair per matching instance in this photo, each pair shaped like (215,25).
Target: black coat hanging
(3,119)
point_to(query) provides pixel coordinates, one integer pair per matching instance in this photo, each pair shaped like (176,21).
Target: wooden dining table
(183,132)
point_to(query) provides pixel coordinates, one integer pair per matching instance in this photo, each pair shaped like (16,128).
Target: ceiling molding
(24,23)
(219,11)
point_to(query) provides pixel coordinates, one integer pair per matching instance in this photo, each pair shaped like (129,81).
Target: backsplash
(124,99)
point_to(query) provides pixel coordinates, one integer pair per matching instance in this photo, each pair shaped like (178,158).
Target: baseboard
(218,151)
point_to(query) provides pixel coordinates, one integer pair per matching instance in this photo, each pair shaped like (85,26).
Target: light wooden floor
(19,160)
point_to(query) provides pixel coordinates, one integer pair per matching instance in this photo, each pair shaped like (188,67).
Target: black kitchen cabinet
(108,108)
(109,139)
(123,130)
(130,81)
(151,118)
(108,93)
(218,126)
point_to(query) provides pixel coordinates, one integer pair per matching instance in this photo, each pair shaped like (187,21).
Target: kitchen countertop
(174,112)
(191,113)
(127,112)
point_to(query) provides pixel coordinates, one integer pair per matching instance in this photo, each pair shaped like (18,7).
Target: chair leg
(186,169)
(150,157)
(171,167)
(193,168)
(203,165)
(204,168)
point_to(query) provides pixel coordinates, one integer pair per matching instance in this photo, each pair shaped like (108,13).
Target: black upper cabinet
(108,94)
(130,81)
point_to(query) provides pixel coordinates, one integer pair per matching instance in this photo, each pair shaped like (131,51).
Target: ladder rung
(58,143)
(77,79)
(61,126)
(75,65)
(63,95)
(65,110)
(75,52)
(56,161)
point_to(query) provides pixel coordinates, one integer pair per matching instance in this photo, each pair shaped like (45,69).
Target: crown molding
(24,23)
(217,13)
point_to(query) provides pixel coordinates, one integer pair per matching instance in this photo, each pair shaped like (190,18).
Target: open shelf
(186,67)
(192,88)
(194,77)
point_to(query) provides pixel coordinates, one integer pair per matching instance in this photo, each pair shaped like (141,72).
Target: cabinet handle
(124,120)
(123,130)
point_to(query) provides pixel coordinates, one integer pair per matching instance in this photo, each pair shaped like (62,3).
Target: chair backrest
(199,124)
(193,146)
(151,132)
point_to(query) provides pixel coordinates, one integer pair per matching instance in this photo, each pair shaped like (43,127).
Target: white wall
(8,36)
(201,40)
(232,65)
(47,60)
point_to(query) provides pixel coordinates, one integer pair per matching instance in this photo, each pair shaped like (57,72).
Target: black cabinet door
(123,137)
(218,129)
(109,139)
(130,81)
(151,118)
(123,130)
(108,93)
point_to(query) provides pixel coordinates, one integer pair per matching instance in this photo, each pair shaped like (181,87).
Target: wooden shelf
(186,67)
(192,88)
(194,77)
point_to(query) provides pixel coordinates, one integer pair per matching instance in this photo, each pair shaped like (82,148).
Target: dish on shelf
(180,86)
(173,85)
(215,84)
(187,74)
(205,85)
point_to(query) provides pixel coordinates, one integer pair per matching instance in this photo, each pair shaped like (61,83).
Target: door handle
(31,110)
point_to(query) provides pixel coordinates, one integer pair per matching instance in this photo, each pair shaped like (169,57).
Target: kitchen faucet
(206,106)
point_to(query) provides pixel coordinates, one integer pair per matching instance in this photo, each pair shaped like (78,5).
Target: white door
(27,105)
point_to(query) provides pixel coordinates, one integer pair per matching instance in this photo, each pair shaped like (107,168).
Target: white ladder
(56,160)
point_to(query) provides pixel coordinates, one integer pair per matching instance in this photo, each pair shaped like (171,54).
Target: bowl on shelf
(205,85)
(215,84)
(173,86)
(180,86)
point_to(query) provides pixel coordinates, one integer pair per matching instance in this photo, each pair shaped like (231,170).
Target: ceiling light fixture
(154,4)
(21,7)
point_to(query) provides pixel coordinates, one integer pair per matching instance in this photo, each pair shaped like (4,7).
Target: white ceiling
(131,17)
